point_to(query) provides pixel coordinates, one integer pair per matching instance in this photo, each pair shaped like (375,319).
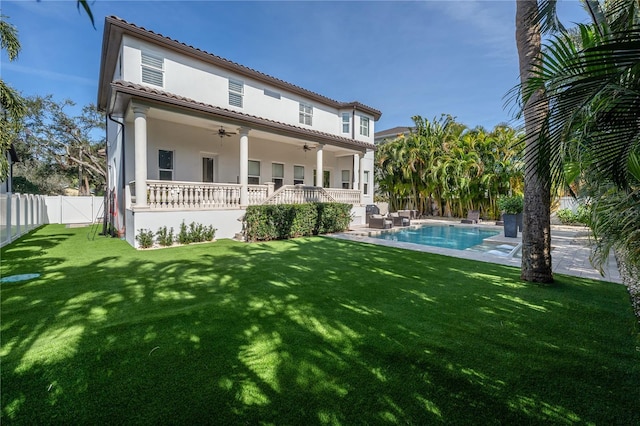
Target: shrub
(165,238)
(145,238)
(580,217)
(282,221)
(183,236)
(332,217)
(209,233)
(511,205)
(196,232)
(259,224)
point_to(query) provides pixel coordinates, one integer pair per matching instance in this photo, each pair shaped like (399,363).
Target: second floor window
(364,126)
(346,119)
(152,69)
(306,114)
(236,93)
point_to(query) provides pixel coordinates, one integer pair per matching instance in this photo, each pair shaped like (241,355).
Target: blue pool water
(447,236)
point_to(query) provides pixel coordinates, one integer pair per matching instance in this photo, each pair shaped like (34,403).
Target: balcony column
(319,169)
(356,171)
(244,166)
(140,158)
(361,186)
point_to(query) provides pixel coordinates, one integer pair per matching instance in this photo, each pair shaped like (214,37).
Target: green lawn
(308,331)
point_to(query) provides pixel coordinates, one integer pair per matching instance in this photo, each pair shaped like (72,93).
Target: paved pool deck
(570,253)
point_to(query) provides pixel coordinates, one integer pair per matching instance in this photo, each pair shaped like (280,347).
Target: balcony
(175,195)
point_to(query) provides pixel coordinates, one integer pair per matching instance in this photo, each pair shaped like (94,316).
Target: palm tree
(12,104)
(443,163)
(593,83)
(536,233)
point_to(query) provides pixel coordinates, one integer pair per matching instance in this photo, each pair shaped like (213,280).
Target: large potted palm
(511,208)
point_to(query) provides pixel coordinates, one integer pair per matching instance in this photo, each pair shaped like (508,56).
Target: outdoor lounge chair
(399,220)
(378,221)
(472,217)
(411,214)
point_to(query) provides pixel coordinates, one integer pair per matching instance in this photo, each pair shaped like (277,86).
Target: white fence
(20,213)
(568,203)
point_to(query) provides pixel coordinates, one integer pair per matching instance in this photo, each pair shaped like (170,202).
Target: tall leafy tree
(12,106)
(60,150)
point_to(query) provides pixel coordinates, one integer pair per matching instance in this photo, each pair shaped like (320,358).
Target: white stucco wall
(225,221)
(191,144)
(206,83)
(367,164)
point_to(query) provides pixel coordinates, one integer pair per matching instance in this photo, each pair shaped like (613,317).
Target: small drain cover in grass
(16,278)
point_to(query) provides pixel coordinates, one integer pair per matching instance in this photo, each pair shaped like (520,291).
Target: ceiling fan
(308,148)
(222,132)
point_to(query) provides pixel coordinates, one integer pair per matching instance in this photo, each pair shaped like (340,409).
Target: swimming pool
(445,236)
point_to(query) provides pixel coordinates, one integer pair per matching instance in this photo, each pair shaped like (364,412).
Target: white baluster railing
(299,194)
(174,195)
(348,196)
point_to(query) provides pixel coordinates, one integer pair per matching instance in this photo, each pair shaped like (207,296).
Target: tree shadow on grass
(313,331)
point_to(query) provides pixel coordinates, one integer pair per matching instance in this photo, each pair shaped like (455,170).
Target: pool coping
(571,248)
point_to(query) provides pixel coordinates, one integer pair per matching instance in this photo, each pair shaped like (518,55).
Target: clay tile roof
(154,94)
(395,131)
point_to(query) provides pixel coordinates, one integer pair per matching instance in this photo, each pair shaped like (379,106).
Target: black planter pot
(510,225)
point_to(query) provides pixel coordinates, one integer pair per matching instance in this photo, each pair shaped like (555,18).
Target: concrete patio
(570,248)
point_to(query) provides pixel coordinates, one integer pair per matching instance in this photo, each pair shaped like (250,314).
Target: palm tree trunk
(536,233)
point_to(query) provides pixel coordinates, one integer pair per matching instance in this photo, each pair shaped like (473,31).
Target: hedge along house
(194,137)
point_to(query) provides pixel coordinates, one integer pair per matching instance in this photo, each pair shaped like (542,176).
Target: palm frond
(593,95)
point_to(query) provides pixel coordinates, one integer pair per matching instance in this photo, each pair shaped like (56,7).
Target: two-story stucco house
(194,137)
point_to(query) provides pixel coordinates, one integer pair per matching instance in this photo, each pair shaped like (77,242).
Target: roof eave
(116,27)
(164,100)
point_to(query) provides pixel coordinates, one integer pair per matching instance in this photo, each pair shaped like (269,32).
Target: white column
(356,171)
(361,187)
(319,170)
(244,166)
(140,159)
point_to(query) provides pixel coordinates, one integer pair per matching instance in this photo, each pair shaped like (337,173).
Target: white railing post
(270,187)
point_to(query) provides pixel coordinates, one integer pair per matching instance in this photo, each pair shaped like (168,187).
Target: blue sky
(404,58)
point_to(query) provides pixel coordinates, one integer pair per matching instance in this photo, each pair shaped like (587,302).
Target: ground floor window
(277,174)
(165,164)
(207,169)
(365,184)
(346,179)
(254,172)
(298,175)
(326,178)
